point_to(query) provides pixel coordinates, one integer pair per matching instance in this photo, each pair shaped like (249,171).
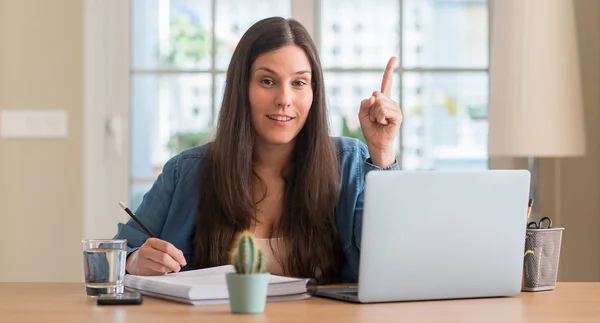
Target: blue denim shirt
(168,209)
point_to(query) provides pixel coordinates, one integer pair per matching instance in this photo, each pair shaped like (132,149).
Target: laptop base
(348,294)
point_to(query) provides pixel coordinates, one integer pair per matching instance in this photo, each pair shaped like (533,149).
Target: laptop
(431,235)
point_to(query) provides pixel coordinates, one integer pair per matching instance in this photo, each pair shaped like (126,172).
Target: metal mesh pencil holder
(542,253)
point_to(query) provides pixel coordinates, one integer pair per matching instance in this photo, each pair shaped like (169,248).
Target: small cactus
(246,257)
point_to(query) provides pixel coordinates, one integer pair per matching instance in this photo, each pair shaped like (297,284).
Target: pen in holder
(542,253)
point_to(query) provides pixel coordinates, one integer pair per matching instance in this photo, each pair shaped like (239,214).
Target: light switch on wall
(30,124)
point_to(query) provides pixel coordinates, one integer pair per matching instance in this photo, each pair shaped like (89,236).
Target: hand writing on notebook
(155,257)
(380,118)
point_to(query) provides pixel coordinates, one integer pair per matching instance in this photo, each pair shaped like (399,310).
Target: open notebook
(209,286)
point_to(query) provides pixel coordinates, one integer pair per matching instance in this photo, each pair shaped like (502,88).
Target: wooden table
(66,302)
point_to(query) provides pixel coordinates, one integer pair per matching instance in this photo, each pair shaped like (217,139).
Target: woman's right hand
(155,257)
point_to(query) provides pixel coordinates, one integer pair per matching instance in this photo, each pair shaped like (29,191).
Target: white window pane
(234,17)
(445,121)
(445,33)
(344,92)
(169,113)
(359,33)
(171,34)
(219,90)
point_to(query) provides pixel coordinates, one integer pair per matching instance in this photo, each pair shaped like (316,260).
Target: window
(179,54)
(441,76)
(180,50)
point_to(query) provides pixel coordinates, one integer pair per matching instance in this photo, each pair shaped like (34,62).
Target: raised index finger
(386,83)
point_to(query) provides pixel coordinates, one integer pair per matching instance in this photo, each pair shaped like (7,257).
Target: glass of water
(104,265)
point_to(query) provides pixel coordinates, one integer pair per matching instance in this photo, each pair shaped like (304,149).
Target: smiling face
(280,95)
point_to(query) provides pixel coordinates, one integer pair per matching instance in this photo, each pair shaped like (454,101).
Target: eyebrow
(273,72)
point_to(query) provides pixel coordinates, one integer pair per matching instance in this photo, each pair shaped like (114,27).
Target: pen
(529,208)
(137,220)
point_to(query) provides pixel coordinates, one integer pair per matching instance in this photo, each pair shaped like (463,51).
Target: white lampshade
(535,87)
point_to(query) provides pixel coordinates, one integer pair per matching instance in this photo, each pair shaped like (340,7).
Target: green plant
(188,42)
(357,133)
(246,257)
(179,142)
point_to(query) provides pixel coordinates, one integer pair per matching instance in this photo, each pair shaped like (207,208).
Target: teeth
(279,118)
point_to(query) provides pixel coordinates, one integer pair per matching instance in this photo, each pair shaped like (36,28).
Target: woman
(272,169)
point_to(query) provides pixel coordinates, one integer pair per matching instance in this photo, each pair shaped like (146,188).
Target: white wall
(41,184)
(570,188)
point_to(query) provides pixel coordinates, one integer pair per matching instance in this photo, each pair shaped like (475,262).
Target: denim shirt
(168,209)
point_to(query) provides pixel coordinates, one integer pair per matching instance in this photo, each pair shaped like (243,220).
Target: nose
(284,97)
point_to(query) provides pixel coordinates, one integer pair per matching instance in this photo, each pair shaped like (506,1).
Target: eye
(299,83)
(267,82)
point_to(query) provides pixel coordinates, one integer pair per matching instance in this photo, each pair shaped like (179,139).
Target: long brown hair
(226,205)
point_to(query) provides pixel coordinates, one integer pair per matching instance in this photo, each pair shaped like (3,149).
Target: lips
(278,117)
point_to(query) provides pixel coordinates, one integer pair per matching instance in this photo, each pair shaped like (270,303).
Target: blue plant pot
(247,292)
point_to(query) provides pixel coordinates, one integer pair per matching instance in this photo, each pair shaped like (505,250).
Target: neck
(272,158)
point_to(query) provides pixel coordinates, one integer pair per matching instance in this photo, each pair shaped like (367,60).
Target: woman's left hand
(380,118)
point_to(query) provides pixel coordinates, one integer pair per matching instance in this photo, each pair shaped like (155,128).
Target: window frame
(308,12)
(106,105)
(400,70)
